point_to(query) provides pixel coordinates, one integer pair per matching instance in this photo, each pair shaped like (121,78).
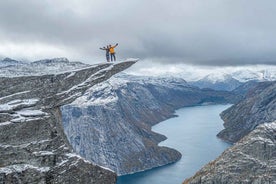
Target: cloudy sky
(197,32)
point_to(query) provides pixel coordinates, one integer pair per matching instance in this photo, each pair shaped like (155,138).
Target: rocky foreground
(253,158)
(33,146)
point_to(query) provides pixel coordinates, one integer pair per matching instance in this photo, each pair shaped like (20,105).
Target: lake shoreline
(205,107)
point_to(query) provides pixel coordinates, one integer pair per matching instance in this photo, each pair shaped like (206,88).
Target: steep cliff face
(259,107)
(251,160)
(111,124)
(33,146)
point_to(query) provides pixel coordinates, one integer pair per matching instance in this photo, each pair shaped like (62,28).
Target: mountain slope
(111,123)
(251,124)
(33,146)
(223,82)
(230,79)
(259,107)
(251,160)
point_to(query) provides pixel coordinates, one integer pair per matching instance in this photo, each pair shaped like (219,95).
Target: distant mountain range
(230,81)
(10,62)
(222,82)
(218,80)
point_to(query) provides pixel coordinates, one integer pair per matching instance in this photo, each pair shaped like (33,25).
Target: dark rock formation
(33,146)
(111,124)
(251,160)
(258,107)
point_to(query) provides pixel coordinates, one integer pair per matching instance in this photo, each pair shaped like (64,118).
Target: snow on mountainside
(120,112)
(261,75)
(10,62)
(242,75)
(230,80)
(13,68)
(219,81)
(105,93)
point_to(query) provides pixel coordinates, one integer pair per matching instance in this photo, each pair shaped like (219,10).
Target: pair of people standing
(110,51)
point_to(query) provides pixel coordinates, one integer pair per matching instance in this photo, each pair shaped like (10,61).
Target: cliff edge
(33,146)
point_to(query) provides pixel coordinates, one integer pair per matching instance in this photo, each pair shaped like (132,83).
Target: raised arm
(115,45)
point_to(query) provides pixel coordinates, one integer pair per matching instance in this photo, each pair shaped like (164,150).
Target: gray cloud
(211,32)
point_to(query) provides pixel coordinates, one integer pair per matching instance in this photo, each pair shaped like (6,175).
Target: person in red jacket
(112,52)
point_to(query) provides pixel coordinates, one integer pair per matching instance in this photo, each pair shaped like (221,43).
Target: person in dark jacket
(107,49)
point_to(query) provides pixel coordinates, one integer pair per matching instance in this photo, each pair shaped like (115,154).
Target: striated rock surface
(258,107)
(252,160)
(111,124)
(33,146)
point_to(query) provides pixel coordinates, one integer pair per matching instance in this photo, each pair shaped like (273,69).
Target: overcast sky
(198,32)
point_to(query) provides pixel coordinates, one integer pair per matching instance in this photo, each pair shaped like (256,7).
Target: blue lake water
(193,133)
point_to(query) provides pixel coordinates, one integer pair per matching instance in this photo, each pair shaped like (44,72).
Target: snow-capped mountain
(10,62)
(105,93)
(249,75)
(229,80)
(209,75)
(218,82)
(14,68)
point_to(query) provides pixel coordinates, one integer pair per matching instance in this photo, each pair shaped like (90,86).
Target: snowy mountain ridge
(105,93)
(9,62)
(249,75)
(242,75)
(13,68)
(231,79)
(217,77)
